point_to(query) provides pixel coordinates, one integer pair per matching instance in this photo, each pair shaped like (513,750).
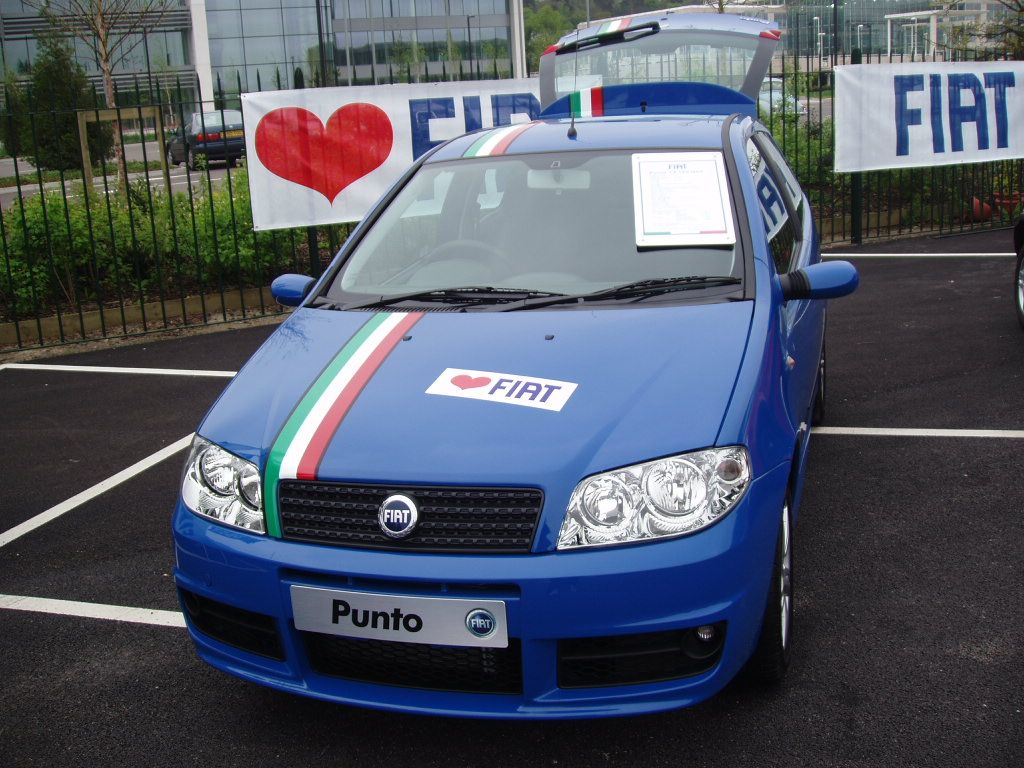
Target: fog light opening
(705,641)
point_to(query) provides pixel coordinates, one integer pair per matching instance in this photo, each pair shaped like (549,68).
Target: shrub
(65,249)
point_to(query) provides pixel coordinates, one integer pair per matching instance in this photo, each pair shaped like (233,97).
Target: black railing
(797,105)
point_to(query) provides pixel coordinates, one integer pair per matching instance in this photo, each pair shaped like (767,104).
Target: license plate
(401,618)
(234,134)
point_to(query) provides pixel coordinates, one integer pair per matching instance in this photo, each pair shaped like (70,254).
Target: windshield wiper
(638,290)
(465,296)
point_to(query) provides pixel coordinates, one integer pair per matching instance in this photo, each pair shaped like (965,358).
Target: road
(180,178)
(819,108)
(132,152)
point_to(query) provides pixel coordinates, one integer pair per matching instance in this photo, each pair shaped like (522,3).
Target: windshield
(558,223)
(669,56)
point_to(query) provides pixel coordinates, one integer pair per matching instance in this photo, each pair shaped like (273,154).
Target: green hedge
(61,250)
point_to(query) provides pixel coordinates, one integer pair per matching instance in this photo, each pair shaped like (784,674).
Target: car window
(561,222)
(218,120)
(671,56)
(792,186)
(779,229)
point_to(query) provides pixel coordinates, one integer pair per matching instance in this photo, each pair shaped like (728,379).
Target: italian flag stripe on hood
(300,447)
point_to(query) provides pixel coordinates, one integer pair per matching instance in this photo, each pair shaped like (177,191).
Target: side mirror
(825,280)
(290,290)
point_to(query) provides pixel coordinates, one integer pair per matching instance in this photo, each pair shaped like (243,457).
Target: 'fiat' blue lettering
(503,107)
(421,112)
(771,203)
(964,100)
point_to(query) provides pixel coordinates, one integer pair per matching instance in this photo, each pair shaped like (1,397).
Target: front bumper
(718,575)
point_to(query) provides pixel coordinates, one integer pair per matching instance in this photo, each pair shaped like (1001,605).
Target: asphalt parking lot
(909,557)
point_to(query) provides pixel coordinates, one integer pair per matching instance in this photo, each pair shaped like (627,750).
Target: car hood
(648,383)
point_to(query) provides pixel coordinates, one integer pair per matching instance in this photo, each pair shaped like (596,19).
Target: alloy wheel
(785,580)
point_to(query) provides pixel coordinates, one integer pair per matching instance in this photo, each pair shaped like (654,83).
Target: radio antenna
(575,70)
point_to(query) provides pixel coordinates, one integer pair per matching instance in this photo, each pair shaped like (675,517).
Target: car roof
(602,133)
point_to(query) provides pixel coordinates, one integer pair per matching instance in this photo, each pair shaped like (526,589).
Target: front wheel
(771,657)
(1018,292)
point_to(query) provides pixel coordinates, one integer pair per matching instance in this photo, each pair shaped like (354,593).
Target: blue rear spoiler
(652,99)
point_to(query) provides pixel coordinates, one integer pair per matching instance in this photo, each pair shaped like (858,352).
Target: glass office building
(269,44)
(897,28)
(163,56)
(914,28)
(232,46)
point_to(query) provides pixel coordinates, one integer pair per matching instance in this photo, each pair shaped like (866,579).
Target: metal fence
(854,207)
(174,246)
(168,246)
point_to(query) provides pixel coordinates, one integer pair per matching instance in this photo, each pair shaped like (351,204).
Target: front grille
(592,662)
(411,665)
(452,519)
(243,629)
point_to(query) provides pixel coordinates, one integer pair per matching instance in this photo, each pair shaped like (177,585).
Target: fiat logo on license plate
(481,623)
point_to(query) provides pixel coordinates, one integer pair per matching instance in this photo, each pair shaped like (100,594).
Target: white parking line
(91,493)
(92,610)
(915,255)
(111,369)
(995,434)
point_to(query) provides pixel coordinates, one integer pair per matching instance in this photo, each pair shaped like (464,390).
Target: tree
(542,28)
(406,55)
(13,115)
(111,30)
(48,124)
(1007,30)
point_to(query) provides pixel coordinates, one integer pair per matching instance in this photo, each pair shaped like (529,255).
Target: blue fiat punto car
(533,445)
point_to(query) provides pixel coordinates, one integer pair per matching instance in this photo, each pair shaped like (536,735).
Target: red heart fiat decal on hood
(294,144)
(462,381)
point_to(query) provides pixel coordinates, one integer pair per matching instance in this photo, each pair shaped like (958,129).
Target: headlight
(668,497)
(222,486)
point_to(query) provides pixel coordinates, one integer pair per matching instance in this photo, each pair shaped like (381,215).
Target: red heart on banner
(294,144)
(462,381)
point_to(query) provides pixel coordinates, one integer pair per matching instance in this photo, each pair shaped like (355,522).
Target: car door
(793,243)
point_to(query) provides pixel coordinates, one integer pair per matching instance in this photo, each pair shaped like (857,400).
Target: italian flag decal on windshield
(588,103)
(302,443)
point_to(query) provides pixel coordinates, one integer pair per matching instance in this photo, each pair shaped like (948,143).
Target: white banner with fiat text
(326,155)
(925,114)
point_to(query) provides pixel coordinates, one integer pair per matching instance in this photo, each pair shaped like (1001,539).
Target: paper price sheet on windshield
(681,198)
